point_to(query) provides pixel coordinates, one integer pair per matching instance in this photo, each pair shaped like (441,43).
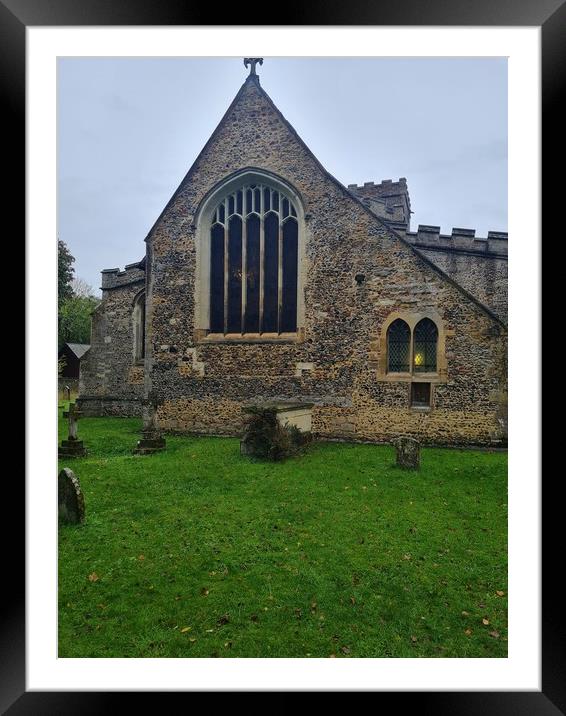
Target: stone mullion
(244,268)
(279,271)
(411,351)
(226,264)
(261,267)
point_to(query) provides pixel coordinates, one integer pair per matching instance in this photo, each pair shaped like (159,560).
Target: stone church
(265,280)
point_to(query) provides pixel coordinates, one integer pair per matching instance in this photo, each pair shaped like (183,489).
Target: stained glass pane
(398,342)
(270,271)
(217,279)
(251,324)
(424,349)
(266,199)
(290,255)
(235,276)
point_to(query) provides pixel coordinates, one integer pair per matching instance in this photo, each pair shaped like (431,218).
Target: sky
(129,129)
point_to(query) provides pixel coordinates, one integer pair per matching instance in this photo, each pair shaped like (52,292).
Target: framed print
(247,220)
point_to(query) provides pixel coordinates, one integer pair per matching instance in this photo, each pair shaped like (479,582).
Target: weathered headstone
(71,499)
(72,446)
(408,452)
(152,439)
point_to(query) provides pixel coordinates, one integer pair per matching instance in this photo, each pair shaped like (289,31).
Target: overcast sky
(129,130)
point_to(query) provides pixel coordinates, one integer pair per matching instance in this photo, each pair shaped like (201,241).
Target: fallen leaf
(141,558)
(193,639)
(184,629)
(500,593)
(494,634)
(93,577)
(254,617)
(406,556)
(414,639)
(345,649)
(465,614)
(224,619)
(468,632)
(209,631)
(485,621)
(204,591)
(332,656)
(353,600)
(313,606)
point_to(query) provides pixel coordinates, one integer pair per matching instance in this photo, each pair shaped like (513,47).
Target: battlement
(115,278)
(462,240)
(388,199)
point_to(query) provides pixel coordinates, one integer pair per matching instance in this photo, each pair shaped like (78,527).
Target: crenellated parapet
(388,199)
(460,240)
(115,278)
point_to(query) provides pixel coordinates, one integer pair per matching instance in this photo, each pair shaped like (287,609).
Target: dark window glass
(285,208)
(251,324)
(270,273)
(266,199)
(249,201)
(424,348)
(217,279)
(221,212)
(398,343)
(230,205)
(235,276)
(239,202)
(257,200)
(275,201)
(420,395)
(289,298)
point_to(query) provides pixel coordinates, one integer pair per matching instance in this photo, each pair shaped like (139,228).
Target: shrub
(265,437)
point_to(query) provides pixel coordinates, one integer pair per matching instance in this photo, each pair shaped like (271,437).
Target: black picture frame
(550,16)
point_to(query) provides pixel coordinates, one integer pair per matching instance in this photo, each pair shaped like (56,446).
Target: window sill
(421,408)
(413,377)
(247,338)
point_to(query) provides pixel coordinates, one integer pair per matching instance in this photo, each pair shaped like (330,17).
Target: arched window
(398,347)
(139,327)
(425,340)
(253,262)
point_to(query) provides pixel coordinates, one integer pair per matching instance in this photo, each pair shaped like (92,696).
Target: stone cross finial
(253,61)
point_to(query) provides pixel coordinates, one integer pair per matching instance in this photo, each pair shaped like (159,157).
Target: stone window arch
(425,346)
(138,318)
(412,346)
(398,347)
(250,241)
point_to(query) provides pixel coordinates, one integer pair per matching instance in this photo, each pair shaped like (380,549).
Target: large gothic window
(254,262)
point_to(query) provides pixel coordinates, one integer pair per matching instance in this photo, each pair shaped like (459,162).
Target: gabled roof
(424,259)
(79,349)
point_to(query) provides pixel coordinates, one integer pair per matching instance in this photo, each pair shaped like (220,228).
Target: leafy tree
(65,272)
(75,318)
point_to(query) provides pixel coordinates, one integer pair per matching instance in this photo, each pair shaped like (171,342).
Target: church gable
(267,280)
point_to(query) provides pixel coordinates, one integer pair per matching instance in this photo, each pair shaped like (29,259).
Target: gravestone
(72,446)
(152,439)
(408,452)
(71,499)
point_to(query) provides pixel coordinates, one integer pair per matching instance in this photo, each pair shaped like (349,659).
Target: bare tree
(81,289)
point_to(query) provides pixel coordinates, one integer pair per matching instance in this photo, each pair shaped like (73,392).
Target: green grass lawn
(199,552)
